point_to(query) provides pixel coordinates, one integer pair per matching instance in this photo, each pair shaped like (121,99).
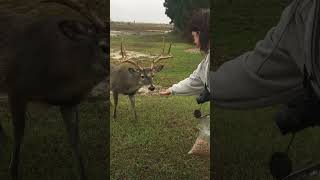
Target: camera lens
(287,122)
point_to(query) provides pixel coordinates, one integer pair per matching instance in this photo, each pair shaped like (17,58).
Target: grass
(243,141)
(156,146)
(175,69)
(46,153)
(238,25)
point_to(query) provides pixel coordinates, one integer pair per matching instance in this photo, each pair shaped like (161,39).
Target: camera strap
(294,7)
(307,78)
(309,73)
(206,87)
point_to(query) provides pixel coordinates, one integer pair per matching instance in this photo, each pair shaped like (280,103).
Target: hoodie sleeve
(260,78)
(192,85)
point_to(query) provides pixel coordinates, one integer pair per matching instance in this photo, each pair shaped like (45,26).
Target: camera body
(301,113)
(204,96)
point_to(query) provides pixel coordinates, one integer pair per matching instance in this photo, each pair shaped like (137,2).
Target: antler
(125,58)
(162,56)
(123,51)
(85,11)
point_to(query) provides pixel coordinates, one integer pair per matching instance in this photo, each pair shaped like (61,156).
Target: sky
(148,11)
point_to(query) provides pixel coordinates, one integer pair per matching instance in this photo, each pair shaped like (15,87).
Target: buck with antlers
(54,60)
(128,80)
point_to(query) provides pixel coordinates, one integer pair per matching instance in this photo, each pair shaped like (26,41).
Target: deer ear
(158,68)
(75,30)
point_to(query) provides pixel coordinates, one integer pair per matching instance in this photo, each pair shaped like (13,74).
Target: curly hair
(200,22)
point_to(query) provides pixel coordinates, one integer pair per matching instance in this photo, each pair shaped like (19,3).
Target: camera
(301,113)
(204,96)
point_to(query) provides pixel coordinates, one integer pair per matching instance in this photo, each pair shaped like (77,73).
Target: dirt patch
(116,54)
(159,31)
(193,51)
(114,33)
(121,33)
(144,91)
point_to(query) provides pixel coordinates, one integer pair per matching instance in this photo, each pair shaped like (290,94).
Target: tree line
(180,11)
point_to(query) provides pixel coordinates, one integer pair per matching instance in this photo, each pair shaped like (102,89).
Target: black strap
(294,7)
(314,61)
(307,78)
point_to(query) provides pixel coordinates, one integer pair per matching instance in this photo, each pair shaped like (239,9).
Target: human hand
(167,92)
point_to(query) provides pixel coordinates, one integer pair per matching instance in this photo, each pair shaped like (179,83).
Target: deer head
(145,74)
(76,30)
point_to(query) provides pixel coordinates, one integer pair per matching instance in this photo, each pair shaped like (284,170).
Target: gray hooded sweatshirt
(272,72)
(195,83)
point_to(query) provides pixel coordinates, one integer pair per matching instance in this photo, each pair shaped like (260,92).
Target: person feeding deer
(198,83)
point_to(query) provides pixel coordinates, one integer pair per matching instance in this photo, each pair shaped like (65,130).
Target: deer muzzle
(151,88)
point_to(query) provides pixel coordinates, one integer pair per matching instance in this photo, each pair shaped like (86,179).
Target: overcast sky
(149,11)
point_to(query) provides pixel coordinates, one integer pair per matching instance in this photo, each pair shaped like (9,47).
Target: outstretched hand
(166,92)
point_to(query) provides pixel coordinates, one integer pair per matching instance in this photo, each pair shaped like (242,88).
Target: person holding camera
(283,68)
(198,81)
(274,71)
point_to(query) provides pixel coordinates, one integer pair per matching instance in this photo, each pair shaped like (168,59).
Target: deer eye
(142,76)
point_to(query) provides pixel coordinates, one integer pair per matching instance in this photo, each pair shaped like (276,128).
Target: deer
(127,80)
(52,60)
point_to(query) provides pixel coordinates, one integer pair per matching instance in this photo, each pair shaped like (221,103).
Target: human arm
(260,78)
(192,85)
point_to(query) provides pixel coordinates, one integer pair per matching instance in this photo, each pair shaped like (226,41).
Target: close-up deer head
(56,60)
(93,30)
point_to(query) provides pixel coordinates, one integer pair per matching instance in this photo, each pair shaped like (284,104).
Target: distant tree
(101,6)
(180,11)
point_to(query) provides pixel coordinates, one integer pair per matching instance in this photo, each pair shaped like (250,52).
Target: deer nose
(151,88)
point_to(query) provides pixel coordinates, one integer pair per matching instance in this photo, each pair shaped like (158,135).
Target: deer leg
(132,101)
(3,137)
(18,110)
(115,99)
(3,141)
(70,116)
(28,116)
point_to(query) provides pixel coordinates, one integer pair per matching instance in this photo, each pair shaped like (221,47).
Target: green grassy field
(243,141)
(156,147)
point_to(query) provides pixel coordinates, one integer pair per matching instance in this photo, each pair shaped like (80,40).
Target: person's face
(196,40)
